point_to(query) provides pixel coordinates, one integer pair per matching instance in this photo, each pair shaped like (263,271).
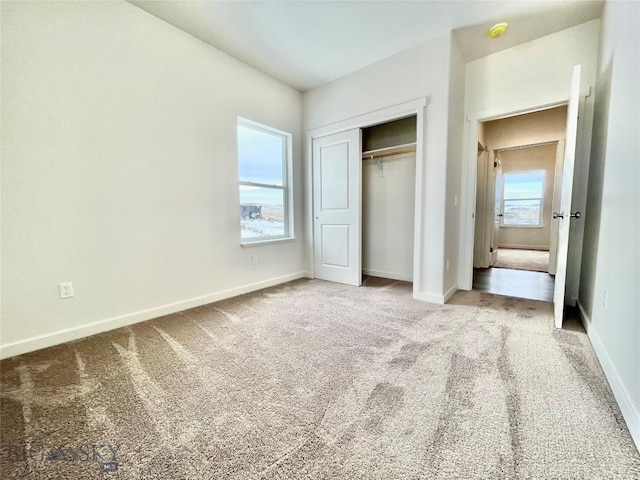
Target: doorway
(519,177)
(388,199)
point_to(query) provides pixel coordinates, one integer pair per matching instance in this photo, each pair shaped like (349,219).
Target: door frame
(395,112)
(469,174)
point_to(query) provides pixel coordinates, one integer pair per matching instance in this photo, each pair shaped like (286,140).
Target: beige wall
(527,159)
(544,126)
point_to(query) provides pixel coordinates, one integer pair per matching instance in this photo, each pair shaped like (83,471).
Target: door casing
(395,112)
(469,176)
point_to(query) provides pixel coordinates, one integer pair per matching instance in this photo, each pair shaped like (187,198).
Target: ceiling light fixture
(498,30)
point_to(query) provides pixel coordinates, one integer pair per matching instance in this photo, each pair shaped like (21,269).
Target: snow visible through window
(522,198)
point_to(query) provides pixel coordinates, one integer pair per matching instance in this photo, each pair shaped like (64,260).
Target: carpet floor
(316,380)
(517,259)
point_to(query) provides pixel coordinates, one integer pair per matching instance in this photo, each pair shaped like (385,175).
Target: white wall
(415,73)
(611,258)
(388,208)
(455,139)
(119,170)
(518,79)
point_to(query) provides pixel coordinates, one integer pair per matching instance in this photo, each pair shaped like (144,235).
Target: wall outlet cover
(66,289)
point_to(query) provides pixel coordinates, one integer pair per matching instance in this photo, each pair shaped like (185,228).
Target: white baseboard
(429,297)
(76,333)
(586,320)
(524,247)
(628,409)
(390,275)
(449,293)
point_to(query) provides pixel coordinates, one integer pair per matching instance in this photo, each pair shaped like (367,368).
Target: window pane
(521,212)
(261,212)
(523,185)
(260,156)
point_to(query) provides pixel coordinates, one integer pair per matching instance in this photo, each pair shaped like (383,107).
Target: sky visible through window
(261,157)
(523,185)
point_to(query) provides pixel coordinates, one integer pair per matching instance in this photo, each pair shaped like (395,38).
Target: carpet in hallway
(518,259)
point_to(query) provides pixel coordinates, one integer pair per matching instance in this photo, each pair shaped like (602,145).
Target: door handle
(500,215)
(558,215)
(576,215)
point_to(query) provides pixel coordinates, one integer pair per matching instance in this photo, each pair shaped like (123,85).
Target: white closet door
(337,207)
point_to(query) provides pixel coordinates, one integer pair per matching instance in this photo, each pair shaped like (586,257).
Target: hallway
(514,283)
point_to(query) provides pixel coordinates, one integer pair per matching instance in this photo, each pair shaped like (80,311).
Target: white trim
(449,293)
(628,409)
(262,242)
(413,107)
(390,275)
(429,297)
(382,115)
(586,321)
(469,173)
(523,247)
(76,333)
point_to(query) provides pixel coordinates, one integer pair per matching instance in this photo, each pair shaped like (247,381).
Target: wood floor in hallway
(514,283)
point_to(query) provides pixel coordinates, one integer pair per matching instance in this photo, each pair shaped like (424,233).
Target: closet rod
(389,151)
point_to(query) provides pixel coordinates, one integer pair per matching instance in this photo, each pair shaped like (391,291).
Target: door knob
(576,215)
(558,215)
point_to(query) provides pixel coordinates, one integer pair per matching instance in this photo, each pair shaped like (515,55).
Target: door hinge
(495,164)
(491,250)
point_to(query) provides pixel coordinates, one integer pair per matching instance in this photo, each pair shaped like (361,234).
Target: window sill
(260,243)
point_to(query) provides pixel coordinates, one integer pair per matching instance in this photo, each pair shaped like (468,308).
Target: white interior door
(337,212)
(563,217)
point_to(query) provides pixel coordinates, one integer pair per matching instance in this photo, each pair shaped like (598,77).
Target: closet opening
(388,199)
(366,197)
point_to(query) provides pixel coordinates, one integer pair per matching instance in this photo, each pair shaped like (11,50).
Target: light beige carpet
(315,380)
(517,259)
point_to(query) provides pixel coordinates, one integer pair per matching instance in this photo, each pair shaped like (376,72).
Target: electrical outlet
(66,289)
(254,259)
(447,264)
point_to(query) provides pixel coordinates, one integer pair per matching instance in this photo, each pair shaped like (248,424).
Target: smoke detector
(498,30)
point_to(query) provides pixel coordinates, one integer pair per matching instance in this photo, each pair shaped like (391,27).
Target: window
(522,199)
(264,161)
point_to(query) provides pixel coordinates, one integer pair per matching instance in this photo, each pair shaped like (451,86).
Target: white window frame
(540,223)
(286,187)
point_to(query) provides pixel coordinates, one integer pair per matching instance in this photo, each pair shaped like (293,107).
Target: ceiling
(308,43)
